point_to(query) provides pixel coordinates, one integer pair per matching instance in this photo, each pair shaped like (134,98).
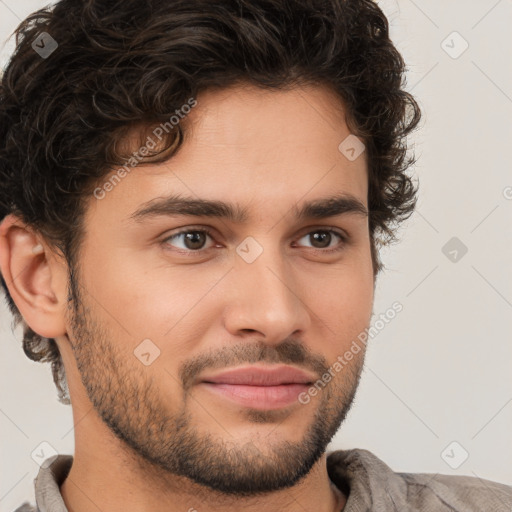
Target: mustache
(287,352)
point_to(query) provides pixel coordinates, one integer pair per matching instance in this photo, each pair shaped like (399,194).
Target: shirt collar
(52,474)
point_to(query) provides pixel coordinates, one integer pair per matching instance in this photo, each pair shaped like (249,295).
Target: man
(193,196)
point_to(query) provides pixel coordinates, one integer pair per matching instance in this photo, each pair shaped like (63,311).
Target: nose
(266,298)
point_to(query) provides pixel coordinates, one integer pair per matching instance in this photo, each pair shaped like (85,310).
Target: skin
(266,151)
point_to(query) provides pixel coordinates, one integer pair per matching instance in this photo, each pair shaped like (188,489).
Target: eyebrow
(176,205)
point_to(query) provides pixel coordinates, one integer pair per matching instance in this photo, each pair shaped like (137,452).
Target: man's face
(274,290)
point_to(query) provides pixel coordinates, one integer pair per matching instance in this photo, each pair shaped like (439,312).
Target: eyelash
(342,236)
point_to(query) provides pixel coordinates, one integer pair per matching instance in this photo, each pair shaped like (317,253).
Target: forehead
(259,147)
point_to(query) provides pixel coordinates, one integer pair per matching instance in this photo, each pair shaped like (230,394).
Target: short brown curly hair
(124,64)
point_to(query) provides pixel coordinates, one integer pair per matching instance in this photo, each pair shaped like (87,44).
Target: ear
(35,277)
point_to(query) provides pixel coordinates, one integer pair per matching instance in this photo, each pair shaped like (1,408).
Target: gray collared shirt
(369,483)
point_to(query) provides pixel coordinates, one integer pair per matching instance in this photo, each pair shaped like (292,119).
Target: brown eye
(191,240)
(323,239)
(194,240)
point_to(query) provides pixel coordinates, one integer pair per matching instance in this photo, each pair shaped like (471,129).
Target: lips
(261,376)
(262,388)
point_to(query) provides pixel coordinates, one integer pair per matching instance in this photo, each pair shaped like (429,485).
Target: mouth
(263,388)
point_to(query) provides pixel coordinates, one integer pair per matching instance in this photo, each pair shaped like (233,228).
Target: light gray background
(440,371)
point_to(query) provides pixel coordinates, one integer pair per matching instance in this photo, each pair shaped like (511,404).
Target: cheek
(149,299)
(342,302)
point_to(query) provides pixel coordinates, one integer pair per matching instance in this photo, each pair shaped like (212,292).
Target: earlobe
(34,278)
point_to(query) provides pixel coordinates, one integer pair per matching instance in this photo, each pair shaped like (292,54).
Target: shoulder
(370,481)
(461,492)
(26,507)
